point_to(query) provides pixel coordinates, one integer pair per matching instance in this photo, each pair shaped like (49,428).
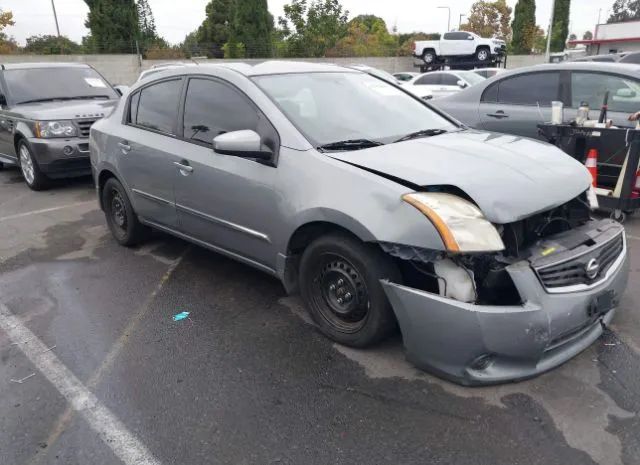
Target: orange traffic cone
(592,165)
(635,192)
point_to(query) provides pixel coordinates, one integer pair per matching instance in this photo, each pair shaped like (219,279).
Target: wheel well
(425,50)
(16,140)
(103,177)
(480,47)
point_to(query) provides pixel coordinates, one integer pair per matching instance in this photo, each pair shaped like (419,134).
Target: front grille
(84,126)
(573,272)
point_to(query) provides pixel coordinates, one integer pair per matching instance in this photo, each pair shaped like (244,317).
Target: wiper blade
(53,99)
(36,100)
(351,144)
(421,133)
(82,97)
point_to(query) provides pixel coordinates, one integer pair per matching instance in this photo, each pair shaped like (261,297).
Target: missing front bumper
(483,344)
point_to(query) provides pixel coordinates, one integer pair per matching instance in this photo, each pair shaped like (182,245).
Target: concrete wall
(124,69)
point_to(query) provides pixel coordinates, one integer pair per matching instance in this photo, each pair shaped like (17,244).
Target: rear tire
(429,57)
(121,218)
(340,284)
(33,177)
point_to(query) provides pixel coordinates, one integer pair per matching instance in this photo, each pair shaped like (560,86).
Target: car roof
(36,65)
(279,67)
(618,68)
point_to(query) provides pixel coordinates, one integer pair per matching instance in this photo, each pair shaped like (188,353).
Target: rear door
(147,150)
(590,87)
(517,104)
(6,127)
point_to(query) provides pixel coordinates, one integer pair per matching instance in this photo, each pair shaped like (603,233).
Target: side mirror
(461,84)
(625,93)
(245,144)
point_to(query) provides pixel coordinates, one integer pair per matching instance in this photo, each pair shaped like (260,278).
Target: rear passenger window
(212,108)
(158,106)
(428,79)
(490,95)
(530,89)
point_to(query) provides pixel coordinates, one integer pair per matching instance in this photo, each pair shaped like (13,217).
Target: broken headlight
(461,225)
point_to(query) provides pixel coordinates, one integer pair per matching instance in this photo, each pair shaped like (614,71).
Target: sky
(176,18)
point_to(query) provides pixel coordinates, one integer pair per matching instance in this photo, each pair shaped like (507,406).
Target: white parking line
(110,429)
(45,210)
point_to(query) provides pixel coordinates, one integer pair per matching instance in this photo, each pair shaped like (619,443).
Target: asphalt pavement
(93,369)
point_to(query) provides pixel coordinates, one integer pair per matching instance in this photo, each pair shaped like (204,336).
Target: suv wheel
(483,54)
(30,169)
(340,284)
(121,219)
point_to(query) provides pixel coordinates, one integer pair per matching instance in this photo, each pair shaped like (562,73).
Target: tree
(539,41)
(524,27)
(560,25)
(148,35)
(312,30)
(51,45)
(113,25)
(213,33)
(489,19)
(588,35)
(252,26)
(624,10)
(7,44)
(367,36)
(572,37)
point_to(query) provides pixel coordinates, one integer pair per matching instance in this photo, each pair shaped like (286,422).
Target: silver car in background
(515,102)
(378,209)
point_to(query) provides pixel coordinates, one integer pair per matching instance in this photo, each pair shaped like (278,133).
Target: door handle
(184,169)
(124,147)
(498,114)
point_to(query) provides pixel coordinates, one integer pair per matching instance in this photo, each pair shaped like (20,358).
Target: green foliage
(588,35)
(148,35)
(7,44)
(113,25)
(251,30)
(539,41)
(213,33)
(560,29)
(312,30)
(624,10)
(489,19)
(367,36)
(51,45)
(524,27)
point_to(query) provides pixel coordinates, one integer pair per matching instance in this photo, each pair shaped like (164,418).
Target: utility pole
(547,54)
(449,18)
(460,20)
(55,16)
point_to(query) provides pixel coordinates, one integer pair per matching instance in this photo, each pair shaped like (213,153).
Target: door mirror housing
(461,84)
(244,144)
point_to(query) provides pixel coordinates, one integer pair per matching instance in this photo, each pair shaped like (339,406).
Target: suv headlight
(461,225)
(46,129)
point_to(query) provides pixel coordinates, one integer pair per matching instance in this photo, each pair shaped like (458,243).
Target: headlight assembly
(46,129)
(461,225)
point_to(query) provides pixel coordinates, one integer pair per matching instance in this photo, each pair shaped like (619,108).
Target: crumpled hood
(509,177)
(67,109)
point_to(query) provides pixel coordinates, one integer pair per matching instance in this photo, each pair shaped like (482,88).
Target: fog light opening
(67,150)
(483,362)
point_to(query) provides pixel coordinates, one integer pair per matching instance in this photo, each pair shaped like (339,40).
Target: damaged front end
(491,317)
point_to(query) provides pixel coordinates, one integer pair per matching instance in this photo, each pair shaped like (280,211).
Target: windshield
(471,77)
(56,83)
(331,107)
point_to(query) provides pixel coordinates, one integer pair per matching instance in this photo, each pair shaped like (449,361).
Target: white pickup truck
(459,44)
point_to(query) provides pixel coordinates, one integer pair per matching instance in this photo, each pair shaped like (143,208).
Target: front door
(147,150)
(225,201)
(516,105)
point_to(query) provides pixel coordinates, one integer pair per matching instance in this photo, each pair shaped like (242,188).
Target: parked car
(517,101)
(488,72)
(376,207)
(46,111)
(405,76)
(155,69)
(459,44)
(442,83)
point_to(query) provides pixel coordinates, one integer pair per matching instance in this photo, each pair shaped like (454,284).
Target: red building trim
(603,41)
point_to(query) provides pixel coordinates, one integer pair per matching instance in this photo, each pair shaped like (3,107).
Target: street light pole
(55,16)
(460,20)
(548,51)
(449,18)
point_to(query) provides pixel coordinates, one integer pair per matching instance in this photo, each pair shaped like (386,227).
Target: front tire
(340,284)
(33,177)
(483,54)
(121,218)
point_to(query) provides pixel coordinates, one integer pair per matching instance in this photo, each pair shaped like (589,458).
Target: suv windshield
(41,84)
(344,106)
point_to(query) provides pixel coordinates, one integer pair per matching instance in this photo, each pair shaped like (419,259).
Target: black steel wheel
(121,218)
(340,284)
